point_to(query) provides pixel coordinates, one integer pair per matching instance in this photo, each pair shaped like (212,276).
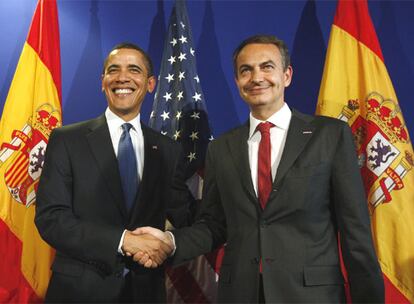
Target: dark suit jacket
(81,213)
(317,193)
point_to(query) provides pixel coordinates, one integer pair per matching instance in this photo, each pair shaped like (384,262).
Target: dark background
(88,30)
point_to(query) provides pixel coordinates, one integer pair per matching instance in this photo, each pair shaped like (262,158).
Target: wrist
(126,242)
(171,241)
(121,243)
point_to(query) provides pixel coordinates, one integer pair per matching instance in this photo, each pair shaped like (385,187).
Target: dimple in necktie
(128,166)
(264,173)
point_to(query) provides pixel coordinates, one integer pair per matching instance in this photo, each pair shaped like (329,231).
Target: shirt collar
(115,122)
(281,119)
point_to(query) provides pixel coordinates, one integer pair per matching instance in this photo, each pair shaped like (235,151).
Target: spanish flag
(356,88)
(32,109)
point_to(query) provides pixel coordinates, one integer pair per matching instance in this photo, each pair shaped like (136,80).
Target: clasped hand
(148,246)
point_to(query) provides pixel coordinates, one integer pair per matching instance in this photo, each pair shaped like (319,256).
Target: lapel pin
(154,147)
(306,132)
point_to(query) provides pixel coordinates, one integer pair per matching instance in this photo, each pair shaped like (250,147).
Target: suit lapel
(239,152)
(299,133)
(101,146)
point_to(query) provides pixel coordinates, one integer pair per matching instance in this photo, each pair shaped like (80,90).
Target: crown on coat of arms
(46,119)
(387,115)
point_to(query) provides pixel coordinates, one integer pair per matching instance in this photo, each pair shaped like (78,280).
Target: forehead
(126,57)
(257,53)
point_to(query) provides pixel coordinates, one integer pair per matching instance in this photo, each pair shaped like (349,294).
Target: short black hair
(129,45)
(263,39)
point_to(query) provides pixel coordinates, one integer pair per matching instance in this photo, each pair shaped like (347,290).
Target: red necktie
(264,171)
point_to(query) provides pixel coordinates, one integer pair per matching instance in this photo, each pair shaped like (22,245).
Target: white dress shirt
(278,133)
(115,130)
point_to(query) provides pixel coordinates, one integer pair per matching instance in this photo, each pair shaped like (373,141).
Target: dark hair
(128,45)
(263,39)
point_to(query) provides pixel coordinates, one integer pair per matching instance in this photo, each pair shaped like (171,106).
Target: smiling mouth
(123,91)
(257,90)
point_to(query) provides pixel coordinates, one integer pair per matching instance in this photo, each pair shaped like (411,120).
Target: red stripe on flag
(41,37)
(186,286)
(18,173)
(17,168)
(392,294)
(19,178)
(16,163)
(14,288)
(353,17)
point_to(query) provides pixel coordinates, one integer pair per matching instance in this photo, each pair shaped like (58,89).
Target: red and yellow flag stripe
(31,111)
(356,88)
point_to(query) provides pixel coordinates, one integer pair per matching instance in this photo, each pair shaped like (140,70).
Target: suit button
(118,274)
(263,224)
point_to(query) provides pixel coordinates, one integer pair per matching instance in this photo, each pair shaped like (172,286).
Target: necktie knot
(126,127)
(264,127)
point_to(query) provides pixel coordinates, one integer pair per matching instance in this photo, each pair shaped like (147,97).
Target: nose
(123,76)
(257,76)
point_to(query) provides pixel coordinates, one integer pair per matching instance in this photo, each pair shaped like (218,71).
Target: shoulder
(76,129)
(327,132)
(156,138)
(156,135)
(233,134)
(320,121)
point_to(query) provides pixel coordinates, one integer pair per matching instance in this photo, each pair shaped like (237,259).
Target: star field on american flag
(179,109)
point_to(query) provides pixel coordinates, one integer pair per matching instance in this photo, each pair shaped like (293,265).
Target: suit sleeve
(181,204)
(209,229)
(91,242)
(364,273)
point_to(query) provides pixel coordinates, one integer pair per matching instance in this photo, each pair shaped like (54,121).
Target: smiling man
(103,178)
(278,191)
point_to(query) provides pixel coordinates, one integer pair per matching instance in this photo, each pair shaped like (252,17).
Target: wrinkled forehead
(126,57)
(257,53)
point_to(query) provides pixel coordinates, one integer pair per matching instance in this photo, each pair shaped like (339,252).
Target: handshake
(148,246)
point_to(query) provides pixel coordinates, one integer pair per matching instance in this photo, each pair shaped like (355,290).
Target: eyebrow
(245,66)
(260,64)
(111,66)
(135,66)
(129,66)
(267,62)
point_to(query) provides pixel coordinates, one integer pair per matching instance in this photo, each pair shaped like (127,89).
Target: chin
(258,102)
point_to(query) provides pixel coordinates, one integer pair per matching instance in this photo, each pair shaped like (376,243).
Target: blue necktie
(128,166)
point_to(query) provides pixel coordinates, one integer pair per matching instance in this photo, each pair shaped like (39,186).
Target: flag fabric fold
(32,109)
(179,111)
(357,89)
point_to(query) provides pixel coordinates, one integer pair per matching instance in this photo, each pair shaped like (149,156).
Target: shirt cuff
(120,251)
(173,241)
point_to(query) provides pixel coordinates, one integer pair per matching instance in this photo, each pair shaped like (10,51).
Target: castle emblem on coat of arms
(378,136)
(25,154)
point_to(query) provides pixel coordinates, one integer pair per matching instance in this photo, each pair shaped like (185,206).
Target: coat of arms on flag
(383,165)
(26,152)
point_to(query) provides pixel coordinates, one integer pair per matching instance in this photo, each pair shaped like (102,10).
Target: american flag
(179,111)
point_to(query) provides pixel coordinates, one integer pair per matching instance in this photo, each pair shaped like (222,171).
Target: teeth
(123,91)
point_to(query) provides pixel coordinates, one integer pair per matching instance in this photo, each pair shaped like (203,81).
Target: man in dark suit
(278,191)
(103,178)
